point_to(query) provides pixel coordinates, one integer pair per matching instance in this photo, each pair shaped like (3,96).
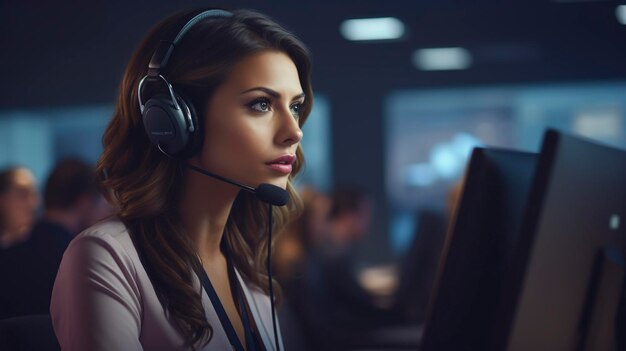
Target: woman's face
(251,128)
(18,204)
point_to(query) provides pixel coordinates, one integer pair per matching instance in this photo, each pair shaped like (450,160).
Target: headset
(169,118)
(171,123)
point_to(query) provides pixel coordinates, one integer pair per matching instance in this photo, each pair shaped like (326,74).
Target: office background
(396,116)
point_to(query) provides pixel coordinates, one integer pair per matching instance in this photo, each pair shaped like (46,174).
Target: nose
(289,131)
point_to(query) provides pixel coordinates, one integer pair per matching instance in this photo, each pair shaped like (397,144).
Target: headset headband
(162,54)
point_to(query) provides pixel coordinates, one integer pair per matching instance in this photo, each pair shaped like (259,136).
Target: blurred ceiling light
(438,59)
(384,28)
(620,12)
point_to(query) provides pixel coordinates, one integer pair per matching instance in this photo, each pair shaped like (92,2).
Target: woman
(18,202)
(132,282)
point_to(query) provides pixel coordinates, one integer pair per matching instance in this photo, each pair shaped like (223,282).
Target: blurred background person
(301,234)
(347,307)
(18,202)
(72,200)
(418,268)
(28,269)
(296,311)
(332,309)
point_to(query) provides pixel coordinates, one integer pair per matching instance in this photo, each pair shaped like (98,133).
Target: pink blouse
(103,300)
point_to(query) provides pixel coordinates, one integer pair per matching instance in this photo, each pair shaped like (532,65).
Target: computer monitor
(566,280)
(477,250)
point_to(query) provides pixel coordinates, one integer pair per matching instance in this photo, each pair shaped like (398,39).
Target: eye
(297,109)
(260,105)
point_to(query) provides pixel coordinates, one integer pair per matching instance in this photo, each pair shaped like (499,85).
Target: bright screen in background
(37,138)
(317,146)
(430,134)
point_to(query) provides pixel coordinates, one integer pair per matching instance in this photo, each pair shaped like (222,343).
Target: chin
(280,182)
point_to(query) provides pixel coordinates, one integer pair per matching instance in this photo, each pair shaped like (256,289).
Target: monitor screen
(566,282)
(477,250)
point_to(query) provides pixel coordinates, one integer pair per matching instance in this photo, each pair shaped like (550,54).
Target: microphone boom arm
(200,170)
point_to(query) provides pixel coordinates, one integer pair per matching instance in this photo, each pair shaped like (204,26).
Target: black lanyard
(221,313)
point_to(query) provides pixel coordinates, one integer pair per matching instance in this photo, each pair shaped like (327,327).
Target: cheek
(19,212)
(235,147)
(25,207)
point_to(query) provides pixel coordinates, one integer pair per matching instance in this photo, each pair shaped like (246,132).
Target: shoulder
(104,245)
(109,230)
(97,295)
(101,259)
(111,234)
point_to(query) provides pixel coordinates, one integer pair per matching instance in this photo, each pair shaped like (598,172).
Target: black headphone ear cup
(165,125)
(194,128)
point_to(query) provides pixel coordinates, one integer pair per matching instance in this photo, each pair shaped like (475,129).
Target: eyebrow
(271,92)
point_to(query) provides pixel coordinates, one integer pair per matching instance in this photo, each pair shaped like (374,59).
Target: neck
(204,209)
(67,219)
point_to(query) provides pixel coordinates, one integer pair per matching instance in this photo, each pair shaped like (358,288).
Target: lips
(285,160)
(282,164)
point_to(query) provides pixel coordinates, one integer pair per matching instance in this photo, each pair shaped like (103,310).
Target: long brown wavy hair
(145,185)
